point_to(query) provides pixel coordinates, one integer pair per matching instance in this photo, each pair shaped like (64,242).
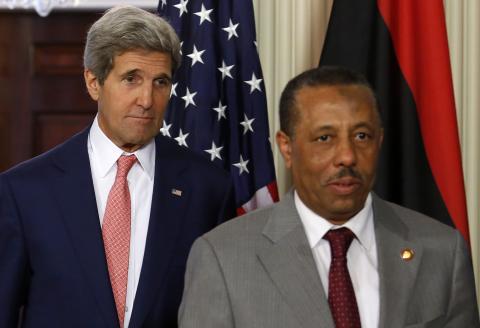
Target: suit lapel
(169,200)
(75,195)
(397,276)
(290,264)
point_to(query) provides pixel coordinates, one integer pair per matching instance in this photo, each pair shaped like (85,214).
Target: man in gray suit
(274,267)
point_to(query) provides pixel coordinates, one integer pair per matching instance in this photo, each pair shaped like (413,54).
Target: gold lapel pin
(407,254)
(177,192)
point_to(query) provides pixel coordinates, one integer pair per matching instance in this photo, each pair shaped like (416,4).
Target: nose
(345,153)
(145,97)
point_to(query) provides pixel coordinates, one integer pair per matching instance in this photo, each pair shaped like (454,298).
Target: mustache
(346,172)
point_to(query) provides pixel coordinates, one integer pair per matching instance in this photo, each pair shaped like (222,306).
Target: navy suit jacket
(52,260)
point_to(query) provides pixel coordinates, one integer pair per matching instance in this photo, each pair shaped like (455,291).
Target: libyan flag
(401,47)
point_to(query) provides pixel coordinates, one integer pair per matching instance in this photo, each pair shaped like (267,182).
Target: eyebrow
(164,76)
(364,125)
(130,72)
(327,127)
(136,71)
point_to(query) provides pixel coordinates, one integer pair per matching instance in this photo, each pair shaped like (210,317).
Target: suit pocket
(438,322)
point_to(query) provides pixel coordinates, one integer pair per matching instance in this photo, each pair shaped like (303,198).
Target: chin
(140,139)
(346,210)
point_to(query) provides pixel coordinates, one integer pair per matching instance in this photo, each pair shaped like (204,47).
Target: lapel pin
(177,192)
(407,254)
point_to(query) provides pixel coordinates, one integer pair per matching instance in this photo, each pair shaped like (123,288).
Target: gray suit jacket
(258,271)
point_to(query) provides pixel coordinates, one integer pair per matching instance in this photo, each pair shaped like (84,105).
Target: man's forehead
(142,61)
(142,55)
(334,97)
(352,91)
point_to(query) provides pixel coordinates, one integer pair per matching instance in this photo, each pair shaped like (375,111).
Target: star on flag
(204,14)
(221,78)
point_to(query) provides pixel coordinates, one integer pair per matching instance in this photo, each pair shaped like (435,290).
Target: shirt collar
(316,226)
(106,153)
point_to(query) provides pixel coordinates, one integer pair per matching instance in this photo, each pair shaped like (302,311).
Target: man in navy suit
(53,251)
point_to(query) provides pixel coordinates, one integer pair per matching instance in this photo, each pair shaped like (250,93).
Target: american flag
(218,105)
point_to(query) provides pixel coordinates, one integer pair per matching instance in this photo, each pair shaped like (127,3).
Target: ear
(285,146)
(92,83)
(380,140)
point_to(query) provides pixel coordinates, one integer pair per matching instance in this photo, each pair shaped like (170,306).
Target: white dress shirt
(103,155)
(361,256)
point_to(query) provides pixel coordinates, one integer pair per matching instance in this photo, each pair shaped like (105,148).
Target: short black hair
(320,76)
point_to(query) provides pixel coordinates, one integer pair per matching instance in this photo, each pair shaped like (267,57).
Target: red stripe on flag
(419,38)
(263,197)
(273,190)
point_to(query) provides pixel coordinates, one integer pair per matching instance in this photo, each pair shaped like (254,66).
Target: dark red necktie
(341,295)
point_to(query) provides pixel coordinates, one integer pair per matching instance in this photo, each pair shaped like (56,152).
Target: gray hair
(125,28)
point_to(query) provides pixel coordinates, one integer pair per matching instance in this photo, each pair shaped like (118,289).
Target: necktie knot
(124,164)
(340,240)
